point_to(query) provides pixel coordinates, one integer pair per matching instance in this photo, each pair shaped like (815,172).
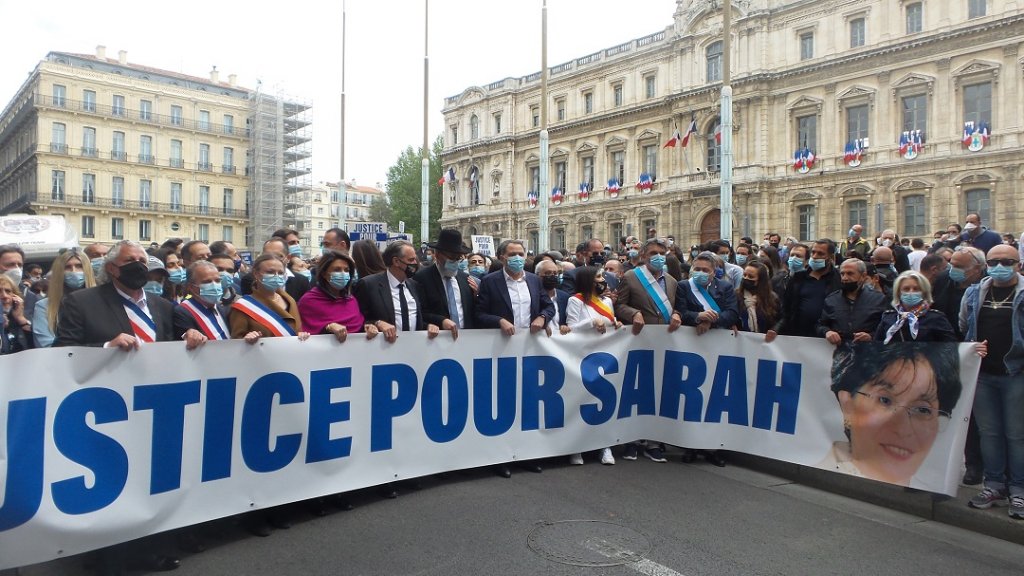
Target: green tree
(380,209)
(403,190)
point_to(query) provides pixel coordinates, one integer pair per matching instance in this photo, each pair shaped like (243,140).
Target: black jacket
(932,327)
(847,318)
(95,316)
(435,296)
(946,297)
(788,322)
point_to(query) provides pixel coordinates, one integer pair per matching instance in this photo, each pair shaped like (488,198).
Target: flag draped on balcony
(911,143)
(976,135)
(803,160)
(645,183)
(854,152)
(585,189)
(614,186)
(531,198)
(556,195)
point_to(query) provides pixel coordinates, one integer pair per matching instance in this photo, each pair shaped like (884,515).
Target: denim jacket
(971,305)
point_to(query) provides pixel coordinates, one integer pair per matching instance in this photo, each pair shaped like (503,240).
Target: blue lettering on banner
(535,393)
(167,401)
(638,384)
(386,404)
(322,413)
(26,424)
(488,421)
(592,371)
(219,432)
(256,413)
(98,452)
(786,395)
(433,404)
(728,391)
(675,385)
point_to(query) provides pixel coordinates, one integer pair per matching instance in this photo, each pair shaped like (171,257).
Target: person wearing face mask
(851,314)
(992,313)
(633,256)
(966,267)
(300,267)
(728,270)
(743,255)
(477,265)
(854,242)
(900,259)
(392,300)
(448,298)
(292,241)
(805,294)
(70,272)
(269,311)
(12,262)
(294,284)
(979,236)
(550,273)
(15,328)
(329,307)
(796,262)
(882,258)
(96,253)
(174,276)
(157,281)
(759,307)
(592,254)
(202,316)
(911,317)
(228,277)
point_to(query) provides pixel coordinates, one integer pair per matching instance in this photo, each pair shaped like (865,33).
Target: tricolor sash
(598,306)
(210,322)
(655,291)
(263,316)
(142,325)
(703,297)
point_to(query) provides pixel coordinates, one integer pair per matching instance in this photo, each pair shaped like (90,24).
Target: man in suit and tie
(448,299)
(119,314)
(646,295)
(203,316)
(549,273)
(514,300)
(390,300)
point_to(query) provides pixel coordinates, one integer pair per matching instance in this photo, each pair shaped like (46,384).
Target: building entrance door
(711,226)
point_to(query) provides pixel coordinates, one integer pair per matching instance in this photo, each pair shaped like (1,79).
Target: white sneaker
(606,457)
(576,459)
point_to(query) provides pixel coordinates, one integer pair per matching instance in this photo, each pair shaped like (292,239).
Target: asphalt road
(632,518)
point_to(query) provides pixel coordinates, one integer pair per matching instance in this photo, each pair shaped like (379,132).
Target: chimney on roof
(214,75)
(101,52)
(122,57)
(232,79)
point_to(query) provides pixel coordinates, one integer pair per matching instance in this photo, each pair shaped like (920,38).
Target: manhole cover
(588,543)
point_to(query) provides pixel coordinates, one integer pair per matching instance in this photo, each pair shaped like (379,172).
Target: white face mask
(15,275)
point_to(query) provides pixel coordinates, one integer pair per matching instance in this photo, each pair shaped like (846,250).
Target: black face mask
(411,269)
(549,282)
(849,287)
(749,285)
(134,275)
(597,259)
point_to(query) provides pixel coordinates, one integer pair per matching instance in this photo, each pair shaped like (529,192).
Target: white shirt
(409,300)
(580,316)
(142,304)
(915,258)
(458,297)
(519,294)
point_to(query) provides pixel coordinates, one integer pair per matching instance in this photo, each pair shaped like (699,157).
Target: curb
(954,511)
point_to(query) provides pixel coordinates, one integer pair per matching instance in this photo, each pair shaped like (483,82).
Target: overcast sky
(295,46)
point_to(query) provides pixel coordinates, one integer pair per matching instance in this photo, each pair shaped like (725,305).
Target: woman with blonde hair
(71,271)
(912,319)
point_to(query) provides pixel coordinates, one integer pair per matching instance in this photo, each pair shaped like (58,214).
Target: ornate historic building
(906,111)
(126,151)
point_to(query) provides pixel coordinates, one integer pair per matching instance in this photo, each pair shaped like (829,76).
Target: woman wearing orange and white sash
(269,310)
(590,309)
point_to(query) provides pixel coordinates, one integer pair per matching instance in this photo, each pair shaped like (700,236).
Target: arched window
(980,200)
(474,127)
(714,59)
(714,147)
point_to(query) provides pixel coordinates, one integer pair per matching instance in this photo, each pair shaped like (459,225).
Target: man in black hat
(447,296)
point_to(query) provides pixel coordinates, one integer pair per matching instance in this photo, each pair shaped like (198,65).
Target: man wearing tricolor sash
(645,296)
(202,317)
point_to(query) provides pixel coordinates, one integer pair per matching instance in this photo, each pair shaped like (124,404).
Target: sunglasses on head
(1003,261)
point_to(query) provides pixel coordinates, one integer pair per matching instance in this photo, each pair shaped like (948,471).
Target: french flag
(691,129)
(675,139)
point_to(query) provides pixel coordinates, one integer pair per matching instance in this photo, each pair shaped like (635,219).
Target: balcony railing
(146,159)
(48,197)
(227,169)
(59,148)
(205,167)
(118,155)
(90,152)
(176,163)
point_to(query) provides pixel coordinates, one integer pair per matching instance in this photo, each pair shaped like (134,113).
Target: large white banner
(101,446)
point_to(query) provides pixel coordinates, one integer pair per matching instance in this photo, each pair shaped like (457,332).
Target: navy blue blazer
(724,295)
(493,302)
(562,299)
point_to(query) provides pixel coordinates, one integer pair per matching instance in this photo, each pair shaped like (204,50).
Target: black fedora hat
(450,240)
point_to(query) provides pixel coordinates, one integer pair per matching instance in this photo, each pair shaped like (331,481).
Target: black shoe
(317,507)
(257,525)
(387,491)
(689,456)
(503,471)
(973,476)
(189,541)
(279,521)
(341,503)
(716,458)
(155,563)
(531,467)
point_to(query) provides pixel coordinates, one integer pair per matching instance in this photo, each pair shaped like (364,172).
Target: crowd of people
(963,286)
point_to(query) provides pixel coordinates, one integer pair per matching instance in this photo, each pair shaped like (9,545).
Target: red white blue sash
(654,291)
(142,325)
(263,316)
(209,321)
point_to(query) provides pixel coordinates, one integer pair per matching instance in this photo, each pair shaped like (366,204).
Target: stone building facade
(880,91)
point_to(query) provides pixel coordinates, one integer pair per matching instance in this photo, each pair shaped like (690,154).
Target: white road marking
(643,566)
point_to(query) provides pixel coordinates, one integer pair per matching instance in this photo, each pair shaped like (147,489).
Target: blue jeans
(999,410)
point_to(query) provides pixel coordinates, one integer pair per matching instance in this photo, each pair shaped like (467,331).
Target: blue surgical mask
(560,276)
(1001,273)
(741,259)
(911,299)
(700,278)
(478,271)
(795,264)
(516,263)
(97,265)
(273,282)
(957,275)
(177,276)
(211,292)
(74,279)
(340,280)
(633,254)
(154,287)
(719,273)
(305,274)
(451,268)
(817,263)
(657,262)
(463,265)
(295,250)
(227,280)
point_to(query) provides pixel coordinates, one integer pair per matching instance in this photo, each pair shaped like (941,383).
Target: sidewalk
(993,522)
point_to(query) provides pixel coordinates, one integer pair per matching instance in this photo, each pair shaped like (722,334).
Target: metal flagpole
(342,192)
(425,168)
(725,193)
(544,195)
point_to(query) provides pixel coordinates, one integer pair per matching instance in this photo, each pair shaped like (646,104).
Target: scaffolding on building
(279,165)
